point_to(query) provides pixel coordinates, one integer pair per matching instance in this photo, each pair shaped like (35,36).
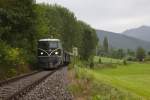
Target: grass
(118,82)
(107,60)
(88,84)
(85,86)
(134,78)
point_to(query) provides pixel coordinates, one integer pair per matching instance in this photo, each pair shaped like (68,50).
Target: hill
(117,40)
(142,33)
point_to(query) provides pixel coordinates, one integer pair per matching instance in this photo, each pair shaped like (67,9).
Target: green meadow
(111,79)
(107,60)
(133,78)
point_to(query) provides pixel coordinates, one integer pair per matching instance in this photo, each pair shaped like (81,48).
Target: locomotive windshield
(46,45)
(43,45)
(53,44)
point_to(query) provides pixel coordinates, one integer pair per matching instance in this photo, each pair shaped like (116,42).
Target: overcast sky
(110,15)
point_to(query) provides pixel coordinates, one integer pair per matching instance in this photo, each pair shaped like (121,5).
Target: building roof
(49,40)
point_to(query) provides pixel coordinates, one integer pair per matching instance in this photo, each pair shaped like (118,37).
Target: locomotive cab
(50,53)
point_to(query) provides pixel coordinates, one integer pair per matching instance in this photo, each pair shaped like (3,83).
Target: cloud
(112,15)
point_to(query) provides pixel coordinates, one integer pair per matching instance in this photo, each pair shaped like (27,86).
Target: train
(51,54)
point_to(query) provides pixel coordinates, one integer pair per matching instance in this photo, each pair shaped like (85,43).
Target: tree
(105,45)
(130,52)
(89,41)
(140,53)
(98,49)
(58,22)
(87,44)
(149,53)
(17,22)
(120,53)
(17,25)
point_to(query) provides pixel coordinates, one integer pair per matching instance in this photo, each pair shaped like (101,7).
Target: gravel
(53,88)
(11,88)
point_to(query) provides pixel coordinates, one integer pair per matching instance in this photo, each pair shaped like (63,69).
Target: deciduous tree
(105,45)
(140,54)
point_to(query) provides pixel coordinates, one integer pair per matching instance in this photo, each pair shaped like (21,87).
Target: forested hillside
(23,22)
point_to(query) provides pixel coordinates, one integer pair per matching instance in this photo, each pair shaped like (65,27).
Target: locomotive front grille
(47,62)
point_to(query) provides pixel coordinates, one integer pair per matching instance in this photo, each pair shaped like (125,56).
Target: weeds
(86,86)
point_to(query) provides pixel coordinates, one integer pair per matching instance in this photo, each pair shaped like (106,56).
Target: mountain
(142,33)
(117,40)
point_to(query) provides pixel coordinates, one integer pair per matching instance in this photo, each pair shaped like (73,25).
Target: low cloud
(111,15)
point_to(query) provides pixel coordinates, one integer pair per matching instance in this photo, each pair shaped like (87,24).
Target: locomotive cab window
(43,45)
(53,44)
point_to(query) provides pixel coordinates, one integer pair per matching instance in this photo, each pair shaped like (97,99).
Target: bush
(147,59)
(92,64)
(96,97)
(130,58)
(76,88)
(12,61)
(11,72)
(14,57)
(124,62)
(3,51)
(100,61)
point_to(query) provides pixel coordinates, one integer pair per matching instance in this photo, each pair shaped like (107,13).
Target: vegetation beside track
(110,81)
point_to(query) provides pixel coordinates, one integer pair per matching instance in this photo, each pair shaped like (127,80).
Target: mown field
(107,60)
(132,79)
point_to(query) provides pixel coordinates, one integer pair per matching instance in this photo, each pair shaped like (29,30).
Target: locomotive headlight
(56,53)
(42,53)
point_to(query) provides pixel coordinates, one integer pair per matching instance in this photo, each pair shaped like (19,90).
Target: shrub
(147,59)
(14,57)
(76,88)
(96,97)
(3,51)
(11,72)
(130,58)
(124,62)
(91,64)
(100,61)
(8,55)
(12,61)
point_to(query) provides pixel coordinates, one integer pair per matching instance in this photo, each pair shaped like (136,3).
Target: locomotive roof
(49,40)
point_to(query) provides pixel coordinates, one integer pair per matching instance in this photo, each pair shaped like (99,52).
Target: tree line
(133,55)
(23,23)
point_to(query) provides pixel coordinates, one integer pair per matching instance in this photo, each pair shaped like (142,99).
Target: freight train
(51,54)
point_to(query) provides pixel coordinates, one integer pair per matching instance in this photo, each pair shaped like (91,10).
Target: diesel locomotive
(51,54)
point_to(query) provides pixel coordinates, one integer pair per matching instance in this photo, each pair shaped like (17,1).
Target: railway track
(4,82)
(15,88)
